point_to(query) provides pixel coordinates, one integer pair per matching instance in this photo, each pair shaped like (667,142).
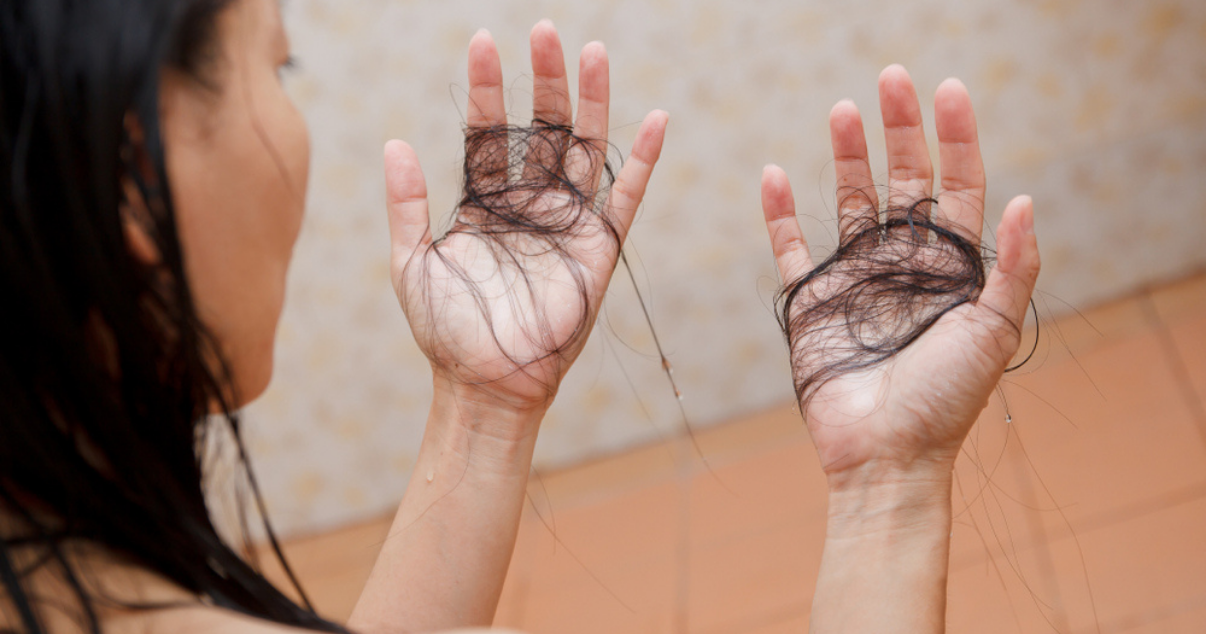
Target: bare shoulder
(208,620)
(195,620)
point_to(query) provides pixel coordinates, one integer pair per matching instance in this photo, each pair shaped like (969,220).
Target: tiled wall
(1096,108)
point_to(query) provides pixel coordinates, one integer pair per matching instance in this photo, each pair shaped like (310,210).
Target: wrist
(888,538)
(481,431)
(895,503)
(899,473)
(490,395)
(482,412)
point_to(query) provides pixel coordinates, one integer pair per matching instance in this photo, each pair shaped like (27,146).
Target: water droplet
(1008,419)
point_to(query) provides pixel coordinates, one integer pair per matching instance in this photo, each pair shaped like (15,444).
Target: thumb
(406,202)
(1011,283)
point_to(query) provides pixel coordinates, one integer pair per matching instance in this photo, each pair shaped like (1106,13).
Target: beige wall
(1098,109)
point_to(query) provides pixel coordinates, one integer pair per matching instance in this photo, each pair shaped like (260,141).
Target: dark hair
(107,376)
(521,200)
(883,287)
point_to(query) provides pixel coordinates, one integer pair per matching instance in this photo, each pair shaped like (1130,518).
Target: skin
(451,541)
(238,154)
(888,438)
(238,158)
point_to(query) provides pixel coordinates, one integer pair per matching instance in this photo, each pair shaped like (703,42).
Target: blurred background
(1095,108)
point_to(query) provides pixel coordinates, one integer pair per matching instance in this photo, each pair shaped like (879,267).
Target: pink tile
(1181,299)
(1189,618)
(757,528)
(756,576)
(1149,567)
(637,597)
(1002,595)
(1189,338)
(1103,434)
(779,624)
(775,486)
(512,605)
(611,568)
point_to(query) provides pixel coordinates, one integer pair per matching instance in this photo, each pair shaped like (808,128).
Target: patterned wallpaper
(1096,108)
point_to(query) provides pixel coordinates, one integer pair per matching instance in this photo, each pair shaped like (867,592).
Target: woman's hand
(504,303)
(906,414)
(501,306)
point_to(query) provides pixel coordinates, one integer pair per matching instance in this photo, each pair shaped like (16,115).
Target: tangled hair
(886,284)
(107,374)
(533,215)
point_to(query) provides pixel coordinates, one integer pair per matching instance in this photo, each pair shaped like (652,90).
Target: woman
(154,178)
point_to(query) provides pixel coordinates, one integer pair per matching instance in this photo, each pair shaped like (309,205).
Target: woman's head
(152,175)
(237,155)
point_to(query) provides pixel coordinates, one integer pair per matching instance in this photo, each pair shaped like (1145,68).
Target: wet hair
(535,191)
(884,286)
(107,375)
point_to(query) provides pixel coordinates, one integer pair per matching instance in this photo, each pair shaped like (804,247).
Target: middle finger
(551,106)
(550,90)
(910,174)
(588,156)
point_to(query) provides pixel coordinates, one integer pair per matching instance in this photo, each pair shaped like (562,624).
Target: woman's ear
(135,217)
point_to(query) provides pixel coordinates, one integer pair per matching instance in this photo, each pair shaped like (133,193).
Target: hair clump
(884,286)
(534,222)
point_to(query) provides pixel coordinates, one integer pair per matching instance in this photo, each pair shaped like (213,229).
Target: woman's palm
(504,302)
(872,388)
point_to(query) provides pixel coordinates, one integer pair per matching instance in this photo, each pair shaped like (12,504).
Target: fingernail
(893,68)
(1028,216)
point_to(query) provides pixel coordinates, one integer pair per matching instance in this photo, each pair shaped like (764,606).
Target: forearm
(887,549)
(446,556)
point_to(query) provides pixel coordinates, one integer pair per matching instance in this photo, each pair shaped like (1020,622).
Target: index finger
(910,175)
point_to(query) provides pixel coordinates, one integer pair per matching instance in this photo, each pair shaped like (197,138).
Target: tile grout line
(1099,521)
(1175,362)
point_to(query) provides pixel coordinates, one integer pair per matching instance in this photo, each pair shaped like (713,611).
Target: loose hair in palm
(885,285)
(533,204)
